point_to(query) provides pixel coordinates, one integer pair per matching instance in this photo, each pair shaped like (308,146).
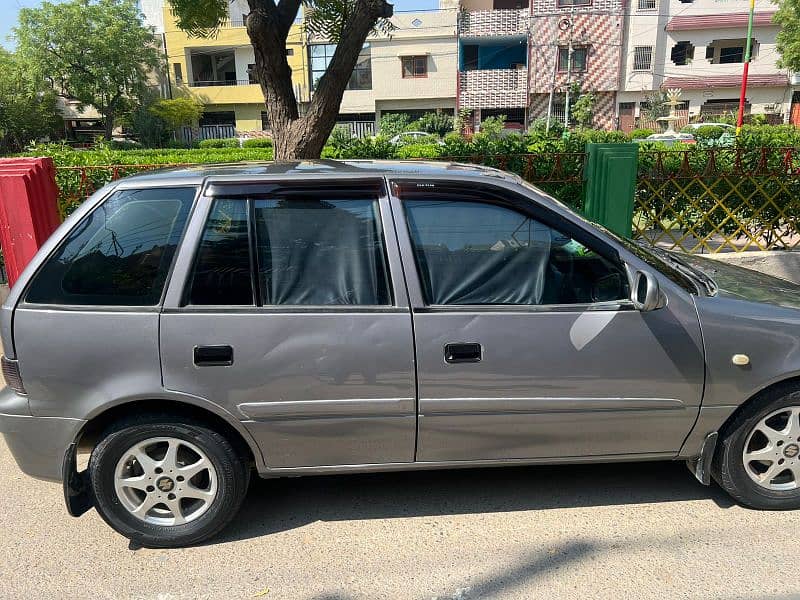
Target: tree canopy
(27,107)
(95,51)
(788,38)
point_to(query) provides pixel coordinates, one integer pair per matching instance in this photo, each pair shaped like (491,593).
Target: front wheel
(167,484)
(758,460)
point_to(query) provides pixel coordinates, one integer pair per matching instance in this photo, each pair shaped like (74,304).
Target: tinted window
(320,248)
(476,253)
(222,273)
(120,254)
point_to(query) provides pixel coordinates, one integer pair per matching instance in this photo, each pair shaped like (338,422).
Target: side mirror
(646,294)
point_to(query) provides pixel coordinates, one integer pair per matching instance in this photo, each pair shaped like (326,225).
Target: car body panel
(320,391)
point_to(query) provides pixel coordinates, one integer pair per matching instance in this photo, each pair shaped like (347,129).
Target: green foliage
(393,123)
(178,112)
(538,128)
(583,109)
(788,37)
(340,137)
(27,108)
(640,134)
(707,133)
(326,19)
(461,120)
(492,127)
(96,51)
(257,143)
(435,123)
(654,106)
(377,148)
(200,18)
(419,150)
(223,143)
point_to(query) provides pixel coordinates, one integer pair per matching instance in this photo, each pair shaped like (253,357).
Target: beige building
(412,70)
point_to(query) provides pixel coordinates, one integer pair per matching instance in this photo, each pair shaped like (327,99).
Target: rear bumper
(38,444)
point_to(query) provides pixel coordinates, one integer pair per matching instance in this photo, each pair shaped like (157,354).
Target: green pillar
(610,176)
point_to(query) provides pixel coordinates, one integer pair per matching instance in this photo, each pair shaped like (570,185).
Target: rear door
(289,310)
(527,345)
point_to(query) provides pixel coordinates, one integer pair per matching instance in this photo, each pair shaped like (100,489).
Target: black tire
(728,466)
(232,470)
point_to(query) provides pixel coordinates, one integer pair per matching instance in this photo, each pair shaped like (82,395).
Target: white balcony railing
(500,22)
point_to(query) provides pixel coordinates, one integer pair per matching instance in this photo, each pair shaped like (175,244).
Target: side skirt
(460,464)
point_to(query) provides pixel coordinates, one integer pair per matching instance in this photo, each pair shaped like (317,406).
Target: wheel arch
(220,421)
(789,384)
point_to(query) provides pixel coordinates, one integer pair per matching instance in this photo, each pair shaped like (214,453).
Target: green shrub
(393,123)
(420,150)
(707,133)
(640,134)
(224,143)
(257,143)
(439,124)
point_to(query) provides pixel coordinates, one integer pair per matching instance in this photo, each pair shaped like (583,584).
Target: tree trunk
(268,25)
(108,117)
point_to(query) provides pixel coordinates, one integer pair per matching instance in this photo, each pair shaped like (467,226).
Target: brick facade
(493,23)
(604,109)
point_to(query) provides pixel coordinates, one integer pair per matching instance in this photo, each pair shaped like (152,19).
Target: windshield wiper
(697,275)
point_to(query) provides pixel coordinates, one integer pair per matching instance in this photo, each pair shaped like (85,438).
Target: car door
(527,345)
(288,309)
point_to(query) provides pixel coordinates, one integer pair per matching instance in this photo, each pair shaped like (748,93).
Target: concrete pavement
(644,530)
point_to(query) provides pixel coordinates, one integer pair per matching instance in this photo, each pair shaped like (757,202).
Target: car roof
(255,171)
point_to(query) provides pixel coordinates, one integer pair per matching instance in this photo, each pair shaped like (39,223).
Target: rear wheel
(758,460)
(167,484)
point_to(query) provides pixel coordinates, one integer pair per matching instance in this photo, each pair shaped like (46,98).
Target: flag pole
(747,50)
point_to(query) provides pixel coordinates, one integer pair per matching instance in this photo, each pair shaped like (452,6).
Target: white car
(409,137)
(669,138)
(696,126)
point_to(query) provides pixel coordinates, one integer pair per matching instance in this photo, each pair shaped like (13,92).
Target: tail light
(12,376)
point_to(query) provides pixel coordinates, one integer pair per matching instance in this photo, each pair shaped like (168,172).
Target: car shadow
(275,505)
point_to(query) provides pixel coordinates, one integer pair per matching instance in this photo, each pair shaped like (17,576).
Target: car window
(320,248)
(222,273)
(470,252)
(120,254)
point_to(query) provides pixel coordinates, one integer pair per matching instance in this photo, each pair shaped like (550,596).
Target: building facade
(410,70)
(698,46)
(576,46)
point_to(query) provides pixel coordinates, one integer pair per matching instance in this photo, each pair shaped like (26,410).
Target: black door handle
(213,356)
(461,352)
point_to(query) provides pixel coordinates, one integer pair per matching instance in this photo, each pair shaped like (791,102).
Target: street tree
(346,23)
(95,51)
(178,112)
(788,38)
(28,110)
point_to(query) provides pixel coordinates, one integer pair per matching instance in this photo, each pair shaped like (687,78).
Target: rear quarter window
(118,255)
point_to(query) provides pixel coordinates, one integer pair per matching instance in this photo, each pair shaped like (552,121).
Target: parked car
(696,126)
(411,137)
(187,327)
(669,138)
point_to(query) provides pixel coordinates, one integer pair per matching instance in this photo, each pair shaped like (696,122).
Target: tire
(735,471)
(220,483)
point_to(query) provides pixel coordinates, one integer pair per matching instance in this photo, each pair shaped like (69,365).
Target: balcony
(493,23)
(493,88)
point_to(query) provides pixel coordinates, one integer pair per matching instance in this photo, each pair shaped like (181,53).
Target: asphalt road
(644,530)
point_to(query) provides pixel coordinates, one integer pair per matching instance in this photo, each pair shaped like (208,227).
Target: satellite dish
(565,24)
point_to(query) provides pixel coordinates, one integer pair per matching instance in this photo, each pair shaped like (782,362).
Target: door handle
(463,352)
(213,356)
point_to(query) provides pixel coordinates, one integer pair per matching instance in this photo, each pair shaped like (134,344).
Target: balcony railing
(486,23)
(222,82)
(493,88)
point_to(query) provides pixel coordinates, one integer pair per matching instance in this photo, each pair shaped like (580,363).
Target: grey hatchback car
(184,328)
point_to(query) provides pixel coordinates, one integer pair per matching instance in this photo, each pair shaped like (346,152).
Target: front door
(527,346)
(294,318)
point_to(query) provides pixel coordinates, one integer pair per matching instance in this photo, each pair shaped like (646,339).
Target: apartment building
(218,71)
(412,69)
(698,46)
(493,44)
(576,45)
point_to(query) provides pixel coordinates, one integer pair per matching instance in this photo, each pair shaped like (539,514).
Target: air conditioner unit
(795,79)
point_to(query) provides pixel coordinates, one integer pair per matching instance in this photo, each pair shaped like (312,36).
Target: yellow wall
(246,100)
